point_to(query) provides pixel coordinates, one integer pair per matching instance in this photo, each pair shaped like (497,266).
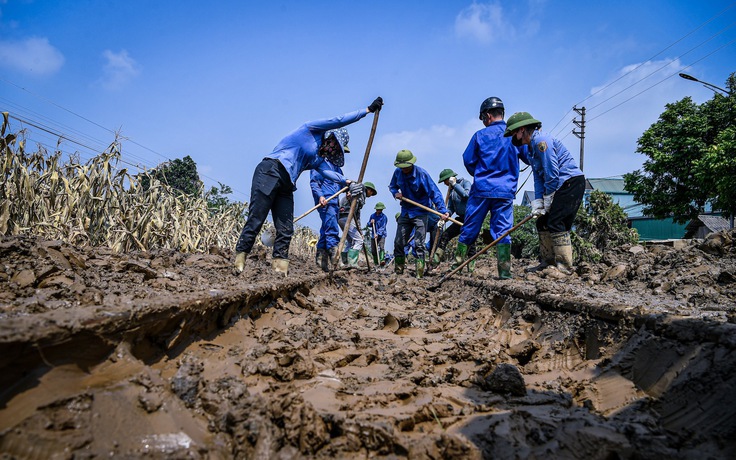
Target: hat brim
(510,130)
(407,163)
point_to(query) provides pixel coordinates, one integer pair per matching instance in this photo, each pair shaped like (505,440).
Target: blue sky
(224,81)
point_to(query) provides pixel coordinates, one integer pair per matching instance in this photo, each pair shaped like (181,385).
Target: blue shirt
(323,186)
(299,150)
(552,164)
(459,197)
(381,221)
(419,187)
(493,162)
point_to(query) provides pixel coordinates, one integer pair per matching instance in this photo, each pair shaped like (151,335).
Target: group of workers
(491,159)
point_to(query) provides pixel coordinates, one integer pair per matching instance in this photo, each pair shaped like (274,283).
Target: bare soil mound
(169,355)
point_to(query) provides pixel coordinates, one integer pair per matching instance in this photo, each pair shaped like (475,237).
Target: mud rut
(362,365)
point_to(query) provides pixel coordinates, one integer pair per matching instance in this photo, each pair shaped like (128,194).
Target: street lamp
(713,88)
(710,86)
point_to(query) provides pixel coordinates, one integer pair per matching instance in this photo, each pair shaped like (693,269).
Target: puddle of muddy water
(334,370)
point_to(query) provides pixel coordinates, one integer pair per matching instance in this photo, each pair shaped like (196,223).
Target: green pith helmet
(446,174)
(380,205)
(404,159)
(370,186)
(397,215)
(519,120)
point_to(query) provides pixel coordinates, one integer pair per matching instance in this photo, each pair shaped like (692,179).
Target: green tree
(691,151)
(180,174)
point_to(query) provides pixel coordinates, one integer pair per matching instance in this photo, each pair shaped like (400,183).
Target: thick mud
(169,355)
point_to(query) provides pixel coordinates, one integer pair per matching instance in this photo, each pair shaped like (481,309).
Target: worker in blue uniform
(494,164)
(309,147)
(559,186)
(329,231)
(414,183)
(377,223)
(456,204)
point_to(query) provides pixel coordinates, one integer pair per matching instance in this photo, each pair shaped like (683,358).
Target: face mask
(516,142)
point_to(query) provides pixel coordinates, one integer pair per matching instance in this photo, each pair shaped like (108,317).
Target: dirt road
(168,355)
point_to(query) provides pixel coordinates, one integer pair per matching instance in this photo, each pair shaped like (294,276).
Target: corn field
(99,204)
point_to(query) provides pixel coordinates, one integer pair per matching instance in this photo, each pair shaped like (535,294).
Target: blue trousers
(502,218)
(329,232)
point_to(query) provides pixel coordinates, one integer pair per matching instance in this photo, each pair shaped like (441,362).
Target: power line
(661,81)
(39,125)
(660,68)
(647,60)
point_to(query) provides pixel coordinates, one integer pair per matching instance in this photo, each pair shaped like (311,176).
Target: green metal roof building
(649,228)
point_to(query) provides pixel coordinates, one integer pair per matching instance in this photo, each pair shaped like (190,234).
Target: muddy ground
(168,355)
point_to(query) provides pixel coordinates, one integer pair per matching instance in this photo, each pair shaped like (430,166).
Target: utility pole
(581,134)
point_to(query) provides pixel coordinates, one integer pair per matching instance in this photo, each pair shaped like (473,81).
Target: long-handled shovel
(375,242)
(354,202)
(403,198)
(482,251)
(344,189)
(438,233)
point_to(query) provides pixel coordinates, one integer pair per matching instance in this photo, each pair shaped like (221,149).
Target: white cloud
(31,56)
(119,69)
(484,23)
(620,110)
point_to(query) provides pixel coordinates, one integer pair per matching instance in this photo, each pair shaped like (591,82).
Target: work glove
(376,105)
(440,223)
(548,201)
(357,191)
(453,181)
(538,207)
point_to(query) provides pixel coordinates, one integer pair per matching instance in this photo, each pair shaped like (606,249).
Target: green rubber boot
(353,255)
(471,267)
(438,254)
(503,256)
(382,256)
(461,253)
(399,263)
(420,265)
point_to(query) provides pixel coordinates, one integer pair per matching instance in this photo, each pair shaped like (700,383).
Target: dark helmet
(489,104)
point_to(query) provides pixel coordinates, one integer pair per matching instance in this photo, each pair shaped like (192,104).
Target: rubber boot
(280,266)
(319,256)
(324,262)
(471,267)
(461,253)
(353,255)
(239,262)
(438,254)
(562,247)
(382,256)
(546,252)
(331,258)
(420,265)
(344,257)
(503,257)
(375,257)
(399,262)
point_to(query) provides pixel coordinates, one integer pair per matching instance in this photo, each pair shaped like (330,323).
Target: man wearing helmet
(377,223)
(494,164)
(329,231)
(558,189)
(457,204)
(414,183)
(274,180)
